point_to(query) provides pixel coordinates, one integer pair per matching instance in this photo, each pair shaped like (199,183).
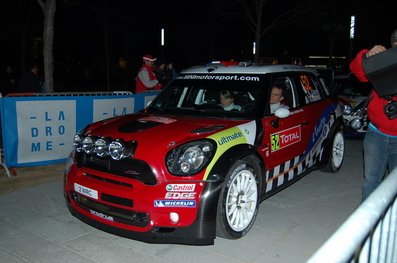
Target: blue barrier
(38,129)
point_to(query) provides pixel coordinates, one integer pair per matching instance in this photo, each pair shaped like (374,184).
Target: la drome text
(48,131)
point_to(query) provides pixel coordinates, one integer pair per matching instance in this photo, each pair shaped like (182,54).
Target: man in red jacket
(146,79)
(380,142)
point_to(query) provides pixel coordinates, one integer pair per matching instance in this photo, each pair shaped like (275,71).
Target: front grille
(117,200)
(106,180)
(120,215)
(129,167)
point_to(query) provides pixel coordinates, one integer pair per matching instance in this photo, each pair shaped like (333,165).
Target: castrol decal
(180,187)
(285,138)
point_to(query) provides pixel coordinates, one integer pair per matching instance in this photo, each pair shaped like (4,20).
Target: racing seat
(246,101)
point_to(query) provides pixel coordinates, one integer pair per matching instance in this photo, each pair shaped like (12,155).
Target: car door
(318,115)
(283,137)
(288,141)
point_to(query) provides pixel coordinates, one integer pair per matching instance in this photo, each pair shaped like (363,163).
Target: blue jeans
(380,155)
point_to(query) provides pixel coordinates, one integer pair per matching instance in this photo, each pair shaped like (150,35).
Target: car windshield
(349,86)
(229,96)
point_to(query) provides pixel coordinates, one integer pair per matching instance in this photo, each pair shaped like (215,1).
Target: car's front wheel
(336,152)
(239,200)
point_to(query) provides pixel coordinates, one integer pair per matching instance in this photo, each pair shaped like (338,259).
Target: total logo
(285,138)
(180,187)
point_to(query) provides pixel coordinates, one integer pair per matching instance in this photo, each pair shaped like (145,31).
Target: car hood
(157,131)
(352,101)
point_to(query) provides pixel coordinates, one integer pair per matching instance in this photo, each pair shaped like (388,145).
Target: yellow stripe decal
(241,134)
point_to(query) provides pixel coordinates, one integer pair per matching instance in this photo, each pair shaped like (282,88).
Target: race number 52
(275,139)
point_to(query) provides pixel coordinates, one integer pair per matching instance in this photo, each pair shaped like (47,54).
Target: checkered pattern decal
(284,172)
(293,168)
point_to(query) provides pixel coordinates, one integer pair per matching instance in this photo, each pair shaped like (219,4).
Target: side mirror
(282,113)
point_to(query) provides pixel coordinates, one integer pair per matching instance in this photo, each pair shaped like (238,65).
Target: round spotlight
(116,150)
(101,147)
(88,145)
(119,149)
(77,142)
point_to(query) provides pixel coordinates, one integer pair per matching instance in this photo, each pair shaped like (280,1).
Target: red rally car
(187,168)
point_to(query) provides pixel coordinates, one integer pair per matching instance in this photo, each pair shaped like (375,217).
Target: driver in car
(227,101)
(277,96)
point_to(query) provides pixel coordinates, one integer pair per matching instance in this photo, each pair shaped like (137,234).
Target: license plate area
(86,191)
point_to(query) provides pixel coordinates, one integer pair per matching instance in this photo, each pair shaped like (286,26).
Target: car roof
(243,68)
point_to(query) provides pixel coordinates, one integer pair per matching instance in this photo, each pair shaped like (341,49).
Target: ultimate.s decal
(285,138)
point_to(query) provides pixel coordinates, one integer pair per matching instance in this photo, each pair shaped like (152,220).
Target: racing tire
(336,153)
(239,199)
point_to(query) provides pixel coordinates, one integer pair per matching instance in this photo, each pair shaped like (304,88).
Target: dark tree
(264,16)
(48,7)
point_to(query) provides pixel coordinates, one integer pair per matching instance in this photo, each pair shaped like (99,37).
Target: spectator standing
(285,58)
(8,81)
(146,79)
(170,72)
(30,80)
(160,73)
(380,142)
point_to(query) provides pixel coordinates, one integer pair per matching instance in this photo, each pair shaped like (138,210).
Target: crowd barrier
(369,235)
(38,129)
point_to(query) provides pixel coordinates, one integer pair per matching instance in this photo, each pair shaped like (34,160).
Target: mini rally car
(185,170)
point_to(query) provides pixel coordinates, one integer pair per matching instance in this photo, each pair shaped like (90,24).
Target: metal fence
(60,94)
(370,233)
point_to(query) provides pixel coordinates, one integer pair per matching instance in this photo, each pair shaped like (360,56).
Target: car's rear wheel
(239,200)
(336,153)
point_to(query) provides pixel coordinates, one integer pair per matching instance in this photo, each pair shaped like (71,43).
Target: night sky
(195,33)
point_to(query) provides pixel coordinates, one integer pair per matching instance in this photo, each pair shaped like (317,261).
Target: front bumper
(147,226)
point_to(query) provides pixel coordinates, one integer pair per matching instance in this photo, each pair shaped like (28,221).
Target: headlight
(360,112)
(190,158)
(356,123)
(346,109)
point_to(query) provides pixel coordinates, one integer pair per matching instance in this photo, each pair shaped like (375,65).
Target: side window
(290,94)
(326,87)
(309,88)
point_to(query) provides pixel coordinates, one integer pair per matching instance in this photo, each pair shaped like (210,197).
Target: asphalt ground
(36,226)
(24,177)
